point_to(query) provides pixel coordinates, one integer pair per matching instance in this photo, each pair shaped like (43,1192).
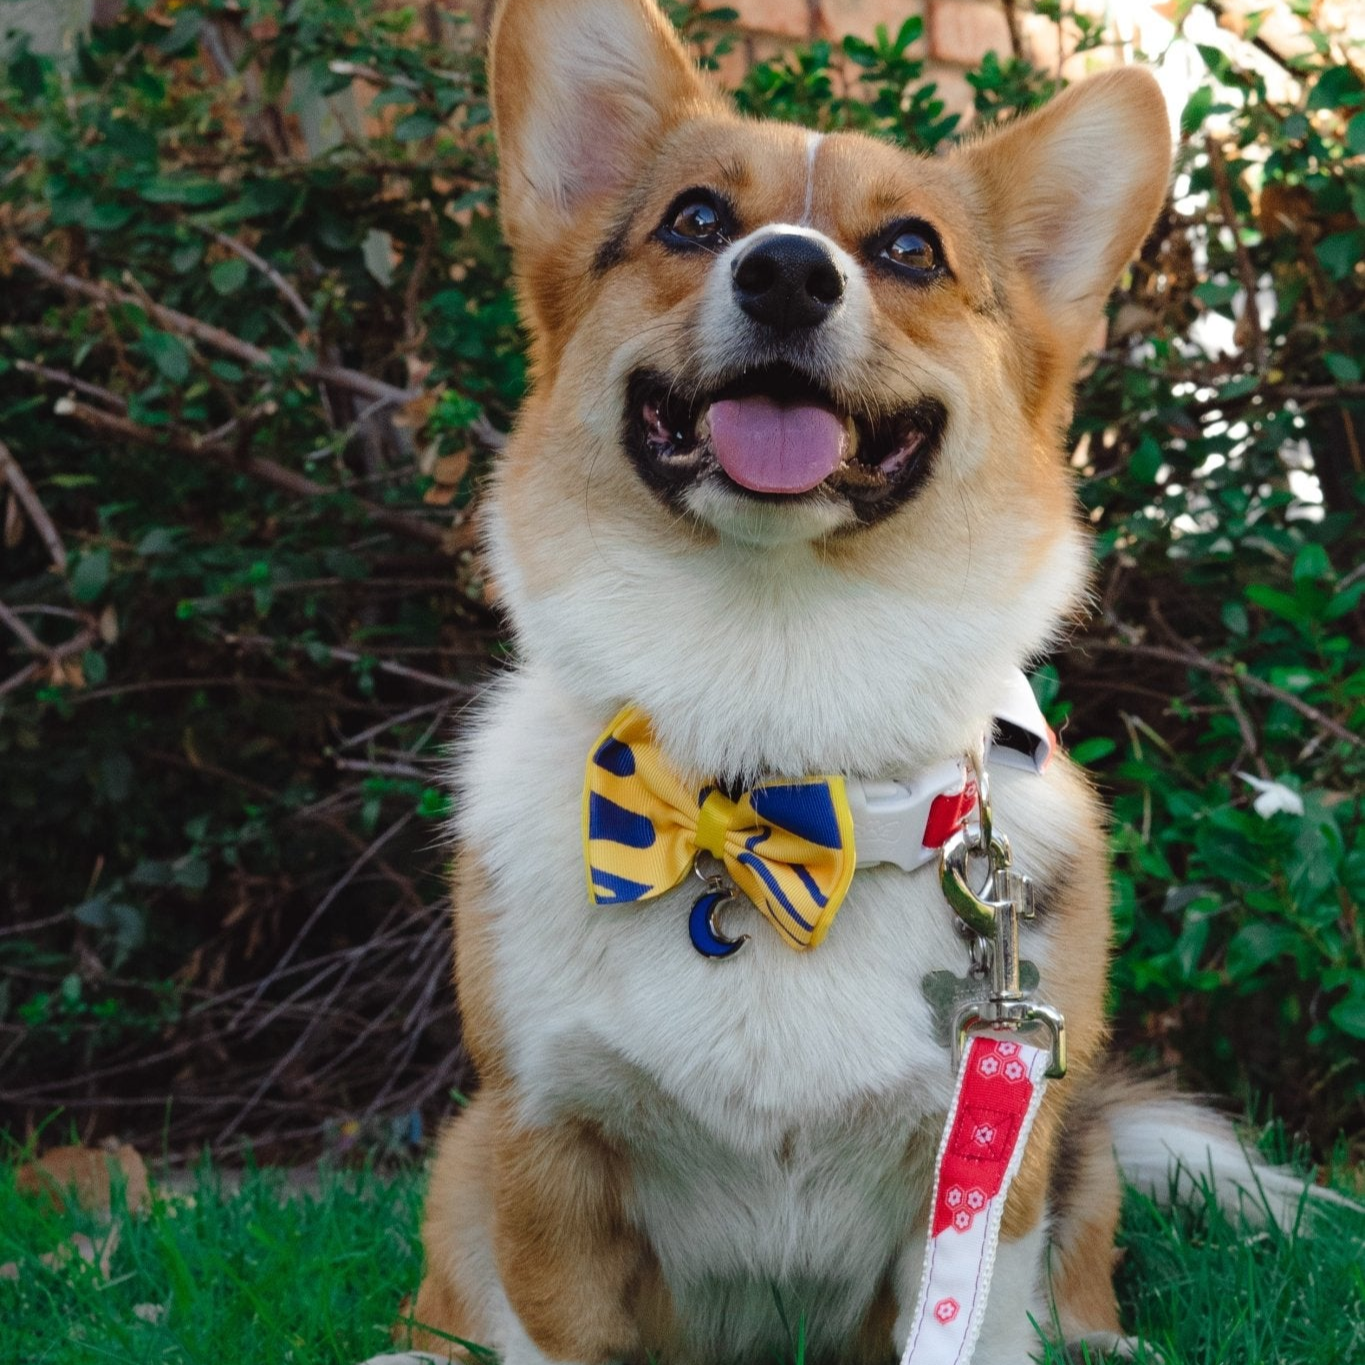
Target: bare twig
(1192,658)
(1249,743)
(1306,395)
(1251,309)
(207,334)
(269,1079)
(359,426)
(1219,11)
(351,656)
(146,1059)
(76,645)
(26,637)
(33,925)
(373,75)
(241,426)
(486,434)
(70,381)
(389,722)
(385,395)
(414,1025)
(11,474)
(362,765)
(286,290)
(308,814)
(267,471)
(282,685)
(1016,32)
(413,331)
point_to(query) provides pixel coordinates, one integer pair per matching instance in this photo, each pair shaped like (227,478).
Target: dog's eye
(912,250)
(697,221)
(696,218)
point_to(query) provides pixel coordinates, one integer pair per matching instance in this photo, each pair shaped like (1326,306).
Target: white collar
(907,820)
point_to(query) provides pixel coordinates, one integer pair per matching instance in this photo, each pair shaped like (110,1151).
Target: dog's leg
(1084,1198)
(581,1280)
(528,1251)
(1017,1302)
(462,1295)
(460,1289)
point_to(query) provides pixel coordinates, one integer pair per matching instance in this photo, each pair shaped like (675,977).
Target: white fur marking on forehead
(813,141)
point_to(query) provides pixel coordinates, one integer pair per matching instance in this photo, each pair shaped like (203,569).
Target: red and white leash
(1001,1079)
(1000,1085)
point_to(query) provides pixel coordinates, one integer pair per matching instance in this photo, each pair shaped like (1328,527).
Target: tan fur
(475,979)
(1086,1197)
(85,1177)
(553,297)
(554,1202)
(457,1198)
(582,1283)
(574,1272)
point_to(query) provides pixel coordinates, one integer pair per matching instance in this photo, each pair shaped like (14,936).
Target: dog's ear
(1071,191)
(582,90)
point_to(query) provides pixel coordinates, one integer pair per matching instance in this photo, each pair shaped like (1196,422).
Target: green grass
(1206,1288)
(261,1276)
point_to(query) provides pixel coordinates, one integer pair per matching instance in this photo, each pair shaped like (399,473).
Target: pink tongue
(771,449)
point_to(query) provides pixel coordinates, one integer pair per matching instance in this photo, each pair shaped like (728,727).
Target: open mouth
(776,434)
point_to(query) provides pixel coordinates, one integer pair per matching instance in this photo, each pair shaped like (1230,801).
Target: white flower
(1274,797)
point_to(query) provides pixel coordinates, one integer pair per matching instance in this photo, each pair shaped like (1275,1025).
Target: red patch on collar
(947,815)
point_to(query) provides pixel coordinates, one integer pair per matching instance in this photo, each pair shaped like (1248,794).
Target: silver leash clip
(991,918)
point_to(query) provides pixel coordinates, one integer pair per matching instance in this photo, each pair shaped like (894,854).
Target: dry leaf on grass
(439,495)
(77,1247)
(448,471)
(85,1175)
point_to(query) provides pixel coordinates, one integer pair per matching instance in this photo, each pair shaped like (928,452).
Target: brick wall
(957,33)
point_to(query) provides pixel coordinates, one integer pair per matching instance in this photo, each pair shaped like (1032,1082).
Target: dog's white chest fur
(781,1108)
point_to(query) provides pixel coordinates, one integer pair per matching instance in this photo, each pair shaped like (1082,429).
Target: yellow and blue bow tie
(788,846)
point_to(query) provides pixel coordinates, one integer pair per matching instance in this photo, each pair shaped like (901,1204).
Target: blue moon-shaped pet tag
(701,926)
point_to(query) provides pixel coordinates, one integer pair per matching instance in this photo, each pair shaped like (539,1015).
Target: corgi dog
(786,511)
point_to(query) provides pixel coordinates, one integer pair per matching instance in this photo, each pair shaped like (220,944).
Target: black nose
(787,280)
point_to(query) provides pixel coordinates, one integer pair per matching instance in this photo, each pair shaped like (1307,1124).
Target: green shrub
(252,672)
(219,734)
